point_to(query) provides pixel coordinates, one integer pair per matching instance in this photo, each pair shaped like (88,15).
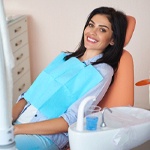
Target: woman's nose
(94,31)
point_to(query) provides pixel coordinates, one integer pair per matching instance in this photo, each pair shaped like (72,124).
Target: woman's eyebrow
(100,25)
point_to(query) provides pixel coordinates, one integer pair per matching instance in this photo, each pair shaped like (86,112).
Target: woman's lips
(91,40)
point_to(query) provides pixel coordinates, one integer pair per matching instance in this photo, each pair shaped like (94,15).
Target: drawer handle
(22,87)
(19,57)
(21,70)
(18,43)
(17,30)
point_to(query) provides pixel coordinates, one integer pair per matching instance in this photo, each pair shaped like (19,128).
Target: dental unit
(117,128)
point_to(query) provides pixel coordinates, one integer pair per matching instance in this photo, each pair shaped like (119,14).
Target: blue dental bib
(60,84)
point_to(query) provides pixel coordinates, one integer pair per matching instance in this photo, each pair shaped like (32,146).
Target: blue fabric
(34,142)
(60,85)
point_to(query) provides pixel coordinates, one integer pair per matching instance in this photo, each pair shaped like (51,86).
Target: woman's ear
(112,42)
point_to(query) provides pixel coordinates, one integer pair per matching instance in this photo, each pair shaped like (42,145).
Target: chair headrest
(131,26)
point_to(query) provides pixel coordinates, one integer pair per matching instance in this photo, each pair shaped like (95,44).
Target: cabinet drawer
(19,41)
(21,86)
(21,69)
(17,28)
(21,54)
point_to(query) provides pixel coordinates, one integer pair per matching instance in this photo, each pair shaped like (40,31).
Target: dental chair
(121,92)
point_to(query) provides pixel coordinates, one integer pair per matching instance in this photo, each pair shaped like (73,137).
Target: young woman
(43,114)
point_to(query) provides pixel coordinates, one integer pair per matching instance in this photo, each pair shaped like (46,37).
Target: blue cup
(91,123)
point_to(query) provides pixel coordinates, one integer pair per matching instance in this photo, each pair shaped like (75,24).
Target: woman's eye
(102,30)
(90,25)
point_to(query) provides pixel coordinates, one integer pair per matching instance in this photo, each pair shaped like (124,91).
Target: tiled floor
(145,146)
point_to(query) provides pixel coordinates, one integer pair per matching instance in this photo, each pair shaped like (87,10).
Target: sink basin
(127,127)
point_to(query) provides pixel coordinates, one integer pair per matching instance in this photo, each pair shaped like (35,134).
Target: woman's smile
(92,40)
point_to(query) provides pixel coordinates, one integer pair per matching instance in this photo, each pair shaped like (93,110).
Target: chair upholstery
(121,92)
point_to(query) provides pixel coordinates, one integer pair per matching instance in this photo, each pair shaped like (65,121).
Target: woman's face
(98,34)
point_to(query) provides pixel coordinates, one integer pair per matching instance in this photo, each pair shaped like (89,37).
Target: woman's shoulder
(104,69)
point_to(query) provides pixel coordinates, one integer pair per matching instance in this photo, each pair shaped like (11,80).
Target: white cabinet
(18,32)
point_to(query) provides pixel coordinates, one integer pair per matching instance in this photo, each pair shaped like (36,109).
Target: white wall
(56,25)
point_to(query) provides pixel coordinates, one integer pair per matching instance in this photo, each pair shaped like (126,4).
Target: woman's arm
(17,108)
(52,126)
(58,125)
(61,124)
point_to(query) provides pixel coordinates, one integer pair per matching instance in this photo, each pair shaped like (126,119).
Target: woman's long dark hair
(112,53)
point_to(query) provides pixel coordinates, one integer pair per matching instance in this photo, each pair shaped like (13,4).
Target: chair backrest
(121,92)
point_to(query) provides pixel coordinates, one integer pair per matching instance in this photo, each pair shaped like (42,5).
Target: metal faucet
(103,124)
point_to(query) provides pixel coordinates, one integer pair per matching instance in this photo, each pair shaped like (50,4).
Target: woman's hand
(17,109)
